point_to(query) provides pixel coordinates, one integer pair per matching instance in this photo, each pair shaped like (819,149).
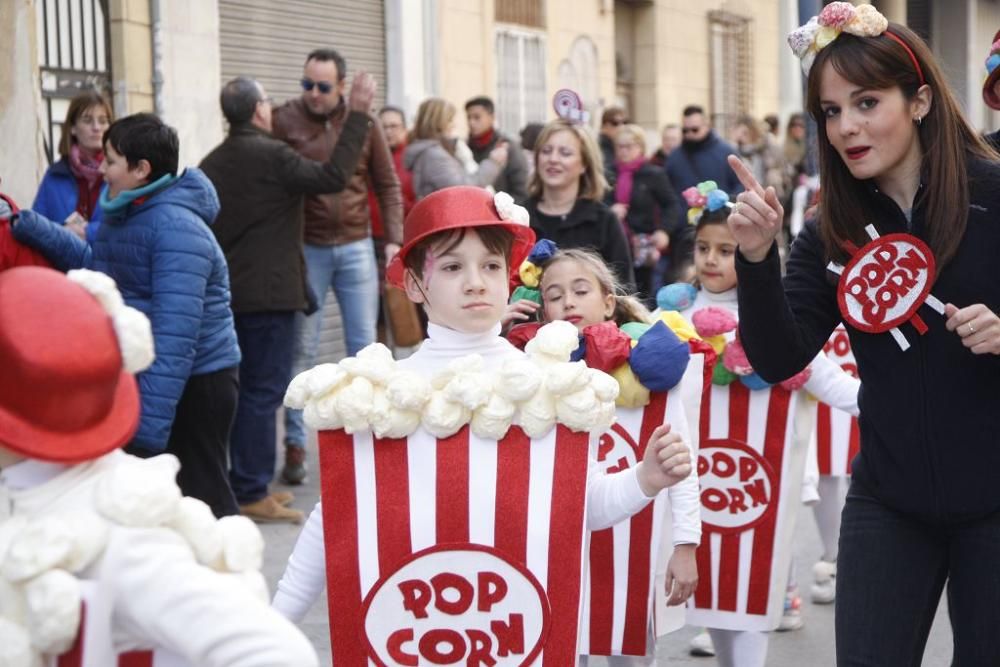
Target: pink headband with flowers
(837,17)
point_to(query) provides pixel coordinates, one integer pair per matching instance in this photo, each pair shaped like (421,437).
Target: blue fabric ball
(716,200)
(678,296)
(542,252)
(659,358)
(992,62)
(754,382)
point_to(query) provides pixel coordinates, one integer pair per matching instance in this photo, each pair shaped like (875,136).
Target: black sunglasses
(309,84)
(690,130)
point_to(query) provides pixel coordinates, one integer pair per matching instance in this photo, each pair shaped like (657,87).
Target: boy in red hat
(99,553)
(460,244)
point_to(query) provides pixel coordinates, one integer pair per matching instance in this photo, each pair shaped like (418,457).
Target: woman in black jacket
(644,200)
(565,196)
(924,506)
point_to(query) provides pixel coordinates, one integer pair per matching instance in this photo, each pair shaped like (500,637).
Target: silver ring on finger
(972,329)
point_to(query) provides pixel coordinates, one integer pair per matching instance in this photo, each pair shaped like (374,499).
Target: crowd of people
(628,259)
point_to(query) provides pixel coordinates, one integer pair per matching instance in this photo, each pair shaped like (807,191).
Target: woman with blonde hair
(432,157)
(565,197)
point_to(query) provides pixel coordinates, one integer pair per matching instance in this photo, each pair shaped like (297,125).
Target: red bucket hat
(64,395)
(461,207)
(992,72)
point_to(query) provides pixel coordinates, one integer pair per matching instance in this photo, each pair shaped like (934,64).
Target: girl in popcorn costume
(739,398)
(102,561)
(455,261)
(619,336)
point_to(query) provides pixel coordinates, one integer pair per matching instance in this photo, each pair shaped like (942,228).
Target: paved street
(813,645)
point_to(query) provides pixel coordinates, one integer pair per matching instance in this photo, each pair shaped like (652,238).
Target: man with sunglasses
(338,245)
(612,119)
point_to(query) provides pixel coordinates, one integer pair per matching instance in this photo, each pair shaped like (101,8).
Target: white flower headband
(837,17)
(132,328)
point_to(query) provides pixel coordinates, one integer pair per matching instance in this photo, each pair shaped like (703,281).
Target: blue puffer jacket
(167,264)
(58,195)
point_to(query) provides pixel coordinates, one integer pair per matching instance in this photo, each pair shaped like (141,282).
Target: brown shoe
(268,510)
(283,498)
(294,471)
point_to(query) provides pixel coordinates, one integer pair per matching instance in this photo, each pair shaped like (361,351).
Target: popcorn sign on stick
(884,284)
(569,106)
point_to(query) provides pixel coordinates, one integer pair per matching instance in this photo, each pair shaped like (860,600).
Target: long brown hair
(946,138)
(77,107)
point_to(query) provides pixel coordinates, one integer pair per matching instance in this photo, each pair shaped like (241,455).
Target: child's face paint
(464,289)
(570,292)
(715,258)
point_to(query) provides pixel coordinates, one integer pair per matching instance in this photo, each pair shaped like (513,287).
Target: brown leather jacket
(343,217)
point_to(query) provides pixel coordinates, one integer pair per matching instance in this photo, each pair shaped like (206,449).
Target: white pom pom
(195,522)
(135,339)
(100,285)
(140,492)
(53,600)
(242,544)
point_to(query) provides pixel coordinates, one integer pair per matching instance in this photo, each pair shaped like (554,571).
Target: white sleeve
(833,385)
(164,599)
(685,496)
(305,575)
(612,497)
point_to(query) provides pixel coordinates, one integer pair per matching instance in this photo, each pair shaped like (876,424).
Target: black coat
(930,427)
(261,182)
(654,204)
(591,225)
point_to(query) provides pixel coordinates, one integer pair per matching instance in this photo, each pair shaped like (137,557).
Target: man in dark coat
(261,182)
(484,137)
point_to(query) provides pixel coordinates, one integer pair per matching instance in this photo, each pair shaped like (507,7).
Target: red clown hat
(64,396)
(459,207)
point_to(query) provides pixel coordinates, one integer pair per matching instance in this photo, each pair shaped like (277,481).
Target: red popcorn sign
(837,437)
(884,284)
(737,486)
(465,605)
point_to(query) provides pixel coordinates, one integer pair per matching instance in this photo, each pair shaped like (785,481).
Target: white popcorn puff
(605,387)
(324,378)
(605,417)
(321,413)
(53,602)
(493,420)
(537,416)
(579,410)
(353,403)
(556,339)
(88,537)
(443,418)
(12,603)
(470,363)
(195,522)
(470,389)
(409,391)
(374,362)
(508,210)
(566,378)
(518,380)
(298,391)
(390,422)
(242,544)
(140,492)
(9,529)
(15,646)
(41,545)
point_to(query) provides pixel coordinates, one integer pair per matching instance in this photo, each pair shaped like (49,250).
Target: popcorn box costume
(461,481)
(837,437)
(102,562)
(624,598)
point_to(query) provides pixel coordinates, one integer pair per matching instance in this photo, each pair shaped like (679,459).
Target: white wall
(188,44)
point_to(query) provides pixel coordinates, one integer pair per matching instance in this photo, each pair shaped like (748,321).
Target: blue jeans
(266,343)
(351,270)
(891,571)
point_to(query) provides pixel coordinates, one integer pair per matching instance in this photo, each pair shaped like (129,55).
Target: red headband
(909,51)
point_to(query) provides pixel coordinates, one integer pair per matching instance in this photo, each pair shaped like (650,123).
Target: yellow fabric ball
(530,274)
(632,394)
(679,325)
(718,343)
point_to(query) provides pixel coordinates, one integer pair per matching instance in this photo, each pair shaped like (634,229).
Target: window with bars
(521,12)
(72,54)
(732,67)
(520,78)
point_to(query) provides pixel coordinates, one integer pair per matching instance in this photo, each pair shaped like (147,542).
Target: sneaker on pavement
(824,586)
(283,498)
(701,645)
(294,472)
(791,619)
(269,510)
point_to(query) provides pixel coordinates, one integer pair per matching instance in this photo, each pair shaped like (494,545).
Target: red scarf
(626,174)
(87,171)
(482,141)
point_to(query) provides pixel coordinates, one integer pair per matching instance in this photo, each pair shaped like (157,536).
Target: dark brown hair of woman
(79,104)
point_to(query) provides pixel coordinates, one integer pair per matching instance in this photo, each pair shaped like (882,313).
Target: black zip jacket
(930,416)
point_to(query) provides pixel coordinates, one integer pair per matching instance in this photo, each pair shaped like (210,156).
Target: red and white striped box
(838,439)
(750,475)
(458,550)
